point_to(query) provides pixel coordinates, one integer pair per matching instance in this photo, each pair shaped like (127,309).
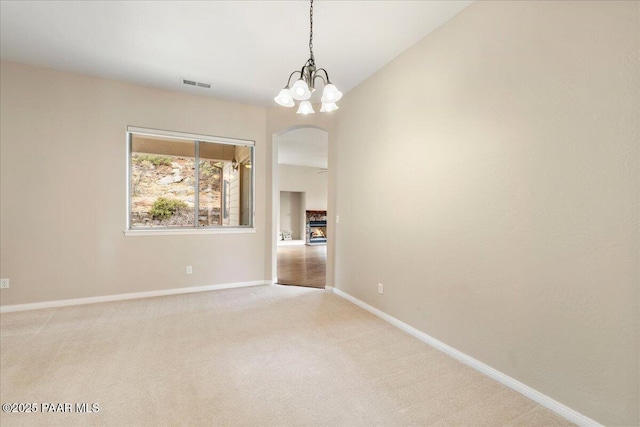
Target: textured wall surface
(509,230)
(63,189)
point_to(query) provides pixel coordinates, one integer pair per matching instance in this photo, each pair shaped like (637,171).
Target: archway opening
(300,201)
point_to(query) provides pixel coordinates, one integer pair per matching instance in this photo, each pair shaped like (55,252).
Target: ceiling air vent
(195,83)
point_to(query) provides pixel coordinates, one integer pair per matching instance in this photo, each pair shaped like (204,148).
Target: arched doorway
(300,201)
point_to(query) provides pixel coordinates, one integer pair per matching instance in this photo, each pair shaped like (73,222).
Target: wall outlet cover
(4,283)
(380,288)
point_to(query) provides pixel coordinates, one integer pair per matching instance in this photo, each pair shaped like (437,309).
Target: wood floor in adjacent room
(302,265)
(260,356)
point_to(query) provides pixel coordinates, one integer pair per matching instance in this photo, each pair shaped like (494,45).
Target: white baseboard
(544,400)
(134,295)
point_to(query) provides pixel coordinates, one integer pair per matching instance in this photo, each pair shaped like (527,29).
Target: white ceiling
(304,147)
(245,49)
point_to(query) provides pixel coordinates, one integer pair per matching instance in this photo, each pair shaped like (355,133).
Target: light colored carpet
(263,356)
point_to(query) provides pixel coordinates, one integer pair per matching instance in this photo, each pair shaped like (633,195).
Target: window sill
(178,232)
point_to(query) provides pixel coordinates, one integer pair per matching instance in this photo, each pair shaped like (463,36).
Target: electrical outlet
(189,269)
(380,288)
(337,219)
(4,283)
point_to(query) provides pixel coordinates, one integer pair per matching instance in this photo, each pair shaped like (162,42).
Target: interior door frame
(275,204)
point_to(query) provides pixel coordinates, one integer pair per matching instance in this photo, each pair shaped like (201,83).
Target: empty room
(320,213)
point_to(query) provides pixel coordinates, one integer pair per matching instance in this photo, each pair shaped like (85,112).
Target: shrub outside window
(183,181)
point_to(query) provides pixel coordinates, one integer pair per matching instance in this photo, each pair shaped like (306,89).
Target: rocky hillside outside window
(187,182)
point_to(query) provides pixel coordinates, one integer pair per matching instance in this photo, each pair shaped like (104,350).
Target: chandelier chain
(311,31)
(305,84)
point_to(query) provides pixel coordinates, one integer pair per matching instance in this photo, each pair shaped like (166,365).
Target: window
(183,182)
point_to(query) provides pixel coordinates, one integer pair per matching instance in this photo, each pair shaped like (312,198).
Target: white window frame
(165,231)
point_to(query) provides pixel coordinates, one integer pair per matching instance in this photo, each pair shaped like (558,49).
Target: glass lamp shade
(331,94)
(328,106)
(300,90)
(305,108)
(284,98)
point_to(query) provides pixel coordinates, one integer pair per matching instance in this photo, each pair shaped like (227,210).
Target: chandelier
(305,85)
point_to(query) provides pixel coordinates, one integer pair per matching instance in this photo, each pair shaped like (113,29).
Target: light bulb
(300,90)
(284,98)
(328,106)
(331,94)
(305,108)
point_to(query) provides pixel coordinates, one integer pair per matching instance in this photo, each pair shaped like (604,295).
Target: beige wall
(63,184)
(517,128)
(308,180)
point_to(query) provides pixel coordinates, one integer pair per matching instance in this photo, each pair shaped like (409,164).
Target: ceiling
(304,147)
(244,49)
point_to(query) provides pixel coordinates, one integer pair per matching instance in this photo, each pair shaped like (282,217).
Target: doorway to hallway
(302,199)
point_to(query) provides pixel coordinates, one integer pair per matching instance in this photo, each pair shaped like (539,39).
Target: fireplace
(316,227)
